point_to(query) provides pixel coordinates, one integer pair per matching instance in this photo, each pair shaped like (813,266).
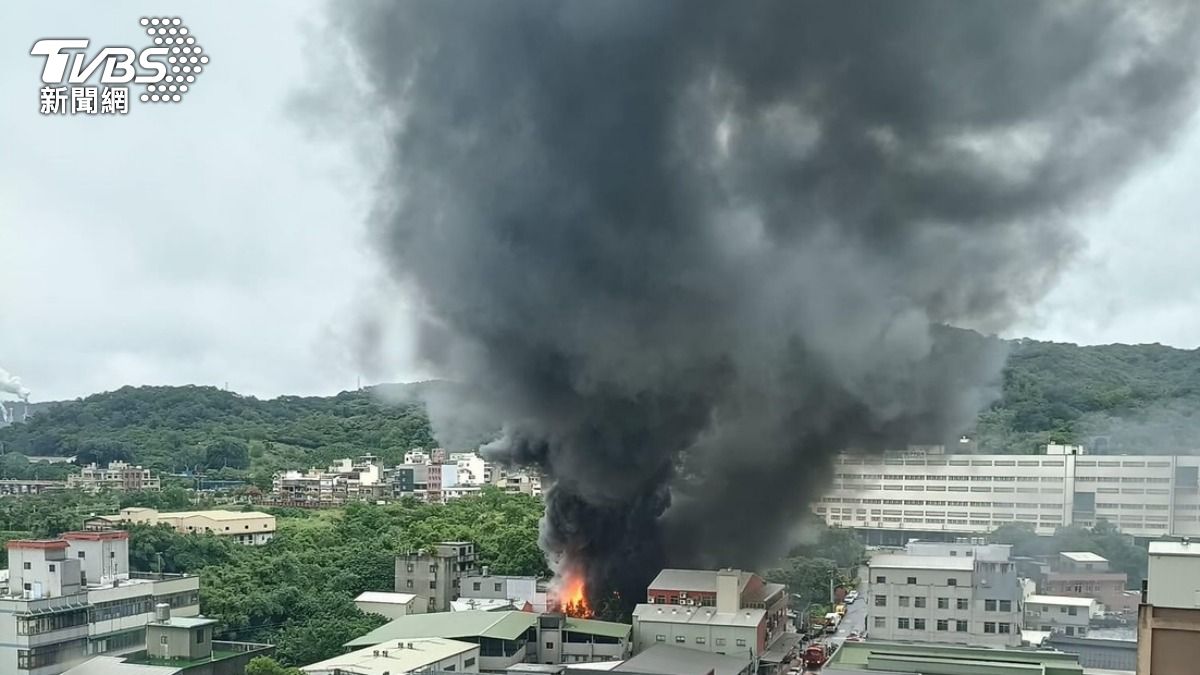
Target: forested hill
(1122,398)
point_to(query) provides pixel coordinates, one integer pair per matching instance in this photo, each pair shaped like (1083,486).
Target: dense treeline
(1104,539)
(1116,398)
(1137,399)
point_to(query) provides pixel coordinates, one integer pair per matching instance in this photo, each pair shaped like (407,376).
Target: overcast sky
(218,240)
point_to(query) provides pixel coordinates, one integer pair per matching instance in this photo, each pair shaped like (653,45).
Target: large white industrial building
(927,492)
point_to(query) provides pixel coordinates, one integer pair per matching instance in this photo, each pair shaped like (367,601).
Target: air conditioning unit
(682,594)
(691,602)
(650,600)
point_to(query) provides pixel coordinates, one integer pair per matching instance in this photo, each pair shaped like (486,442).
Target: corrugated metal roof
(594,627)
(693,580)
(114,665)
(697,615)
(471,623)
(671,660)
(393,657)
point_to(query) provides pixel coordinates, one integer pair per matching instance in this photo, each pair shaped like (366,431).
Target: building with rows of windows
(966,597)
(927,494)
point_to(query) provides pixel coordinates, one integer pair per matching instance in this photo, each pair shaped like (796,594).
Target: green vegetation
(297,591)
(1105,539)
(1137,399)
(828,554)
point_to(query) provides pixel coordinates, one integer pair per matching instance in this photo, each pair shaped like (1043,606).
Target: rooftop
(873,656)
(1059,600)
(925,562)
(44,544)
(471,623)
(1083,557)
(1174,548)
(692,580)
(393,657)
(697,615)
(184,622)
(667,659)
(386,598)
(595,627)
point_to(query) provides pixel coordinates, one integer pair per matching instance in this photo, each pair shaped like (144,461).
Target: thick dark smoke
(688,250)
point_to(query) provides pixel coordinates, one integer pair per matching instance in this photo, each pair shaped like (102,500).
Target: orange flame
(571,596)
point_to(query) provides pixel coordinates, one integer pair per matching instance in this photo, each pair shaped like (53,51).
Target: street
(855,620)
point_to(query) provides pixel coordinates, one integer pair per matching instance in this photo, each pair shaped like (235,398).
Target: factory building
(927,494)
(251,528)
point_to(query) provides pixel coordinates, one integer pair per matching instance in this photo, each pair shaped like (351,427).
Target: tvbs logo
(167,69)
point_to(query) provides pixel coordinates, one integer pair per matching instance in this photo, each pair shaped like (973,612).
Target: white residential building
(117,476)
(931,494)
(389,605)
(951,599)
(416,456)
(472,469)
(1059,614)
(74,597)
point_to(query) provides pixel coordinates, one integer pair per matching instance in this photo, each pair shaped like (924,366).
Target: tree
(227,453)
(265,665)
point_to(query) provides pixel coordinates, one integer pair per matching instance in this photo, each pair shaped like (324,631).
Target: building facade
(1059,614)
(1082,574)
(435,576)
(72,598)
(30,487)
(927,493)
(516,589)
(1169,616)
(117,476)
(251,528)
(948,599)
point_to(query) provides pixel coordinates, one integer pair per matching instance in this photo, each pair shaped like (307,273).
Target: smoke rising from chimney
(11,384)
(687,251)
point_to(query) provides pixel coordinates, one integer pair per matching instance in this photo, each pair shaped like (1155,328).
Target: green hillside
(1116,398)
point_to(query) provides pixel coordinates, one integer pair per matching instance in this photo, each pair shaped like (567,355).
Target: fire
(571,596)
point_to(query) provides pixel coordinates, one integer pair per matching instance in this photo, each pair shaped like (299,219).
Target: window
(162,639)
(81,556)
(1070,630)
(741,642)
(660,638)
(1006,605)
(51,567)
(880,622)
(28,566)
(943,624)
(1073,611)
(902,623)
(680,638)
(943,603)
(408,583)
(952,582)
(476,585)
(962,603)
(720,642)
(878,580)
(919,601)
(904,601)
(1005,628)
(469,662)
(989,605)
(200,636)
(449,669)
(989,626)
(410,568)
(433,584)
(699,640)
(497,587)
(960,626)
(550,645)
(881,601)
(433,569)
(912,580)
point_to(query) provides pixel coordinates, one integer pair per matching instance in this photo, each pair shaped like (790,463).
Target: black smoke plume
(686,250)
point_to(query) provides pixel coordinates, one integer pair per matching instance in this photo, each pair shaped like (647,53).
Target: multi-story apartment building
(516,589)
(1059,614)
(1169,616)
(435,577)
(959,599)
(252,528)
(30,487)
(896,496)
(71,598)
(724,611)
(117,476)
(472,469)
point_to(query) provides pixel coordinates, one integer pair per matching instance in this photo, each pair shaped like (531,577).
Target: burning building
(685,251)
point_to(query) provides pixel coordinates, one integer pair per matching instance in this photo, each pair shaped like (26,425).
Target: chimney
(162,612)
(728,587)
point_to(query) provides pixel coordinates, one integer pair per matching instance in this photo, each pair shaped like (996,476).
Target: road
(855,620)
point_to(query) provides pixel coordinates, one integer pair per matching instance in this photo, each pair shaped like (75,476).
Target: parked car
(851,597)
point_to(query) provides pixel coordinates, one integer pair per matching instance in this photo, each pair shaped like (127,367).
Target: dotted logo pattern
(185,60)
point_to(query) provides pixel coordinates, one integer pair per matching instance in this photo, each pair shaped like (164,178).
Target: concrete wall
(933,591)
(1057,617)
(710,638)
(1174,581)
(1168,640)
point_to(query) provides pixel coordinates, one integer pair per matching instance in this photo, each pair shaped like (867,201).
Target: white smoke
(11,384)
